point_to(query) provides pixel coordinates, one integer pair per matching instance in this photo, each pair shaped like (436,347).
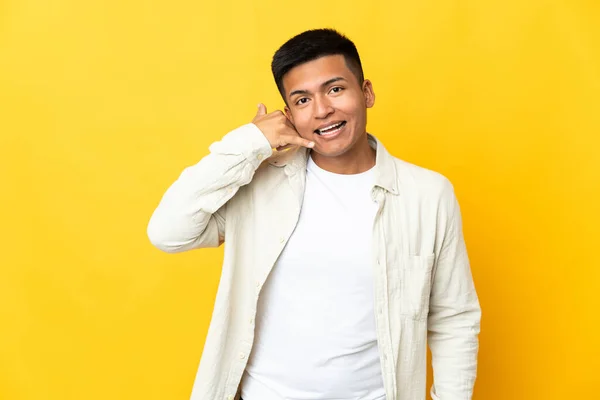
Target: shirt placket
(381,299)
(245,347)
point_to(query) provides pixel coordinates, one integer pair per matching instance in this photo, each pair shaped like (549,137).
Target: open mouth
(331,129)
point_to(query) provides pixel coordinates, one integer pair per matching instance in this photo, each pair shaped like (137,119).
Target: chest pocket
(409,283)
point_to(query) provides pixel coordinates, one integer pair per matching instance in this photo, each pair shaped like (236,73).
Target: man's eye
(337,89)
(302,101)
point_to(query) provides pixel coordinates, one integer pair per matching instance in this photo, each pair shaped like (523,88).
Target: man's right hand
(278,129)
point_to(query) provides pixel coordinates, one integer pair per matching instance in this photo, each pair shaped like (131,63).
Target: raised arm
(192,212)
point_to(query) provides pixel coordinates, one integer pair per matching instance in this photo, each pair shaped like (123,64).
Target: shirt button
(380,311)
(230,397)
(260,156)
(281,239)
(251,321)
(242,356)
(257,283)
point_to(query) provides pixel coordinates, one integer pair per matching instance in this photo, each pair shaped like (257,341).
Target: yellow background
(102,104)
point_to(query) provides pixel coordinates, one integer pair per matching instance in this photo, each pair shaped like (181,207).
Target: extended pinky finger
(303,142)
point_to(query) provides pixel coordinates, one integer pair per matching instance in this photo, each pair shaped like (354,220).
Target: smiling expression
(328,105)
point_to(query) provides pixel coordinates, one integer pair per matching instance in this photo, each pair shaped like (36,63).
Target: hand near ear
(278,130)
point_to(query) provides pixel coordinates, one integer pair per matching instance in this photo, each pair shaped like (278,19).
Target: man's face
(327,105)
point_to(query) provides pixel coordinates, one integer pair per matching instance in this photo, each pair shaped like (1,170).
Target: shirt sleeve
(192,212)
(454,311)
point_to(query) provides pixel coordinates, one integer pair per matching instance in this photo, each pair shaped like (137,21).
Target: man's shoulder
(417,179)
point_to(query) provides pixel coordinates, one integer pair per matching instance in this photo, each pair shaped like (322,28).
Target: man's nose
(323,107)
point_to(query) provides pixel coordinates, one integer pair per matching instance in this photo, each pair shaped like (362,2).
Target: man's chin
(330,152)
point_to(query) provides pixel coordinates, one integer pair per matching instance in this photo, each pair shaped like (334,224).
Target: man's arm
(191,214)
(454,311)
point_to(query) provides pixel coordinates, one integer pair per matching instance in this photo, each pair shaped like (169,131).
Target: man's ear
(368,93)
(288,114)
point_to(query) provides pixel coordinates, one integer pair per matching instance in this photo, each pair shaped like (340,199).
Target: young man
(341,260)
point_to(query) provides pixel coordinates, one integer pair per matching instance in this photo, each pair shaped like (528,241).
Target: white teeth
(330,127)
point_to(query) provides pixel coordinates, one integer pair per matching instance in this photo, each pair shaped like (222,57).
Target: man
(341,260)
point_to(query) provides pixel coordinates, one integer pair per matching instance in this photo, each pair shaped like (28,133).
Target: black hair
(311,45)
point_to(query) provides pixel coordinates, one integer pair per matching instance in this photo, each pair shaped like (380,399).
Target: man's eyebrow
(333,80)
(326,83)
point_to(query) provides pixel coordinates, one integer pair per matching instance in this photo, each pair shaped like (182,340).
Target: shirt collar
(295,159)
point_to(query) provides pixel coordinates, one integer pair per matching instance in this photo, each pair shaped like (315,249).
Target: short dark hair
(311,45)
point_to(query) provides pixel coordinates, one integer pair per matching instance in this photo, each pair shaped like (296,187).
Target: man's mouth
(331,129)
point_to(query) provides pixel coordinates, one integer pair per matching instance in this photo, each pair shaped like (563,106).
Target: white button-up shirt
(246,195)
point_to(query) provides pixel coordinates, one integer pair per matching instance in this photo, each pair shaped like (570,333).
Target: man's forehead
(315,73)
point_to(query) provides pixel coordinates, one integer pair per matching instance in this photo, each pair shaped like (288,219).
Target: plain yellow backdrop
(103,103)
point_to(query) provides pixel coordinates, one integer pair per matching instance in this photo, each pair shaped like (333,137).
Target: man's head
(320,77)
(309,46)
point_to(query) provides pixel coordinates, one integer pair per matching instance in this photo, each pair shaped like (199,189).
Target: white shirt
(250,197)
(316,336)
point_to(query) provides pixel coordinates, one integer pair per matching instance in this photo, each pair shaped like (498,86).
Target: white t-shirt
(315,326)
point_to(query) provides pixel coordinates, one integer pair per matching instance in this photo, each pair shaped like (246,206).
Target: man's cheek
(304,130)
(306,134)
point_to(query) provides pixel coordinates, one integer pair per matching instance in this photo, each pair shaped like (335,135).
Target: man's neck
(360,158)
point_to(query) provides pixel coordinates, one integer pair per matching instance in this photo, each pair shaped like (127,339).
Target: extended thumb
(262,110)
